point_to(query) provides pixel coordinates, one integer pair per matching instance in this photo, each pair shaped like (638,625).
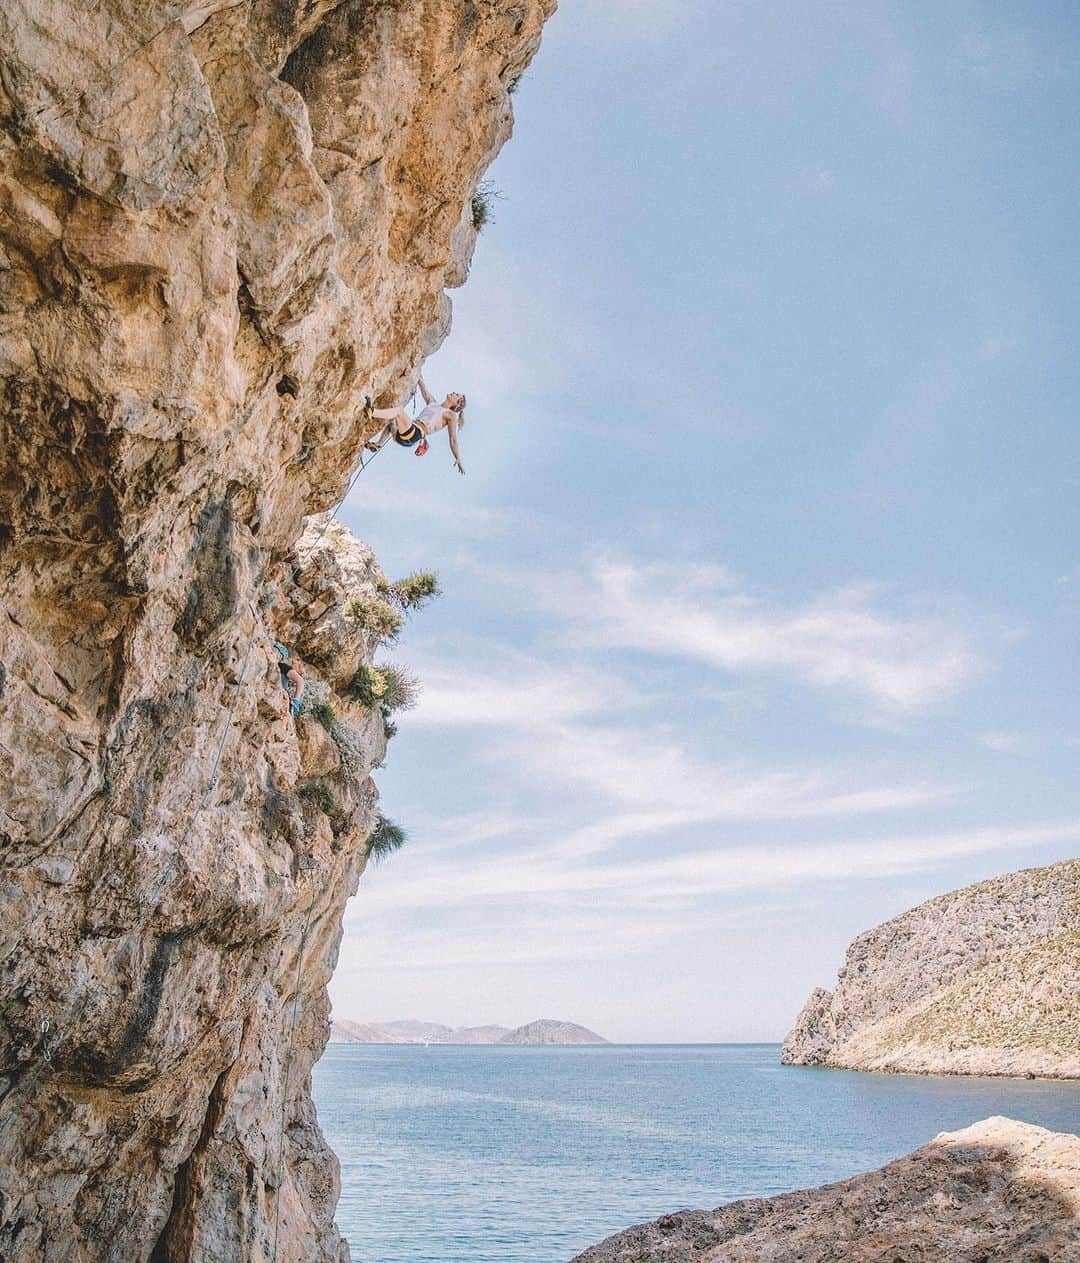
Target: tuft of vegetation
(401,691)
(325,713)
(483,200)
(382,585)
(389,729)
(375,615)
(367,686)
(386,838)
(513,84)
(387,687)
(415,590)
(319,793)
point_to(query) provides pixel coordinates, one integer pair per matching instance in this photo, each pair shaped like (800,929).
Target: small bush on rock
(367,686)
(401,690)
(482,201)
(386,838)
(415,590)
(319,793)
(325,713)
(375,615)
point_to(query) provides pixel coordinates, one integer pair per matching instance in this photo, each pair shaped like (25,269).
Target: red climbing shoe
(422,448)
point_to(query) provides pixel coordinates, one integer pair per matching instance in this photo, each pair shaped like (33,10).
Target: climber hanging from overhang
(413,432)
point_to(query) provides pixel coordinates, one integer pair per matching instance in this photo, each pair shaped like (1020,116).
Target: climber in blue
(290,675)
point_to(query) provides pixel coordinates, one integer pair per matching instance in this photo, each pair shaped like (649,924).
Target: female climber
(448,415)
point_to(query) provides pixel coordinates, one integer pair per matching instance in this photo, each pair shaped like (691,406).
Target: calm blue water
(527,1155)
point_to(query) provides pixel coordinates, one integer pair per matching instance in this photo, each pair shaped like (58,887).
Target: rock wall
(984,980)
(996,1192)
(222,224)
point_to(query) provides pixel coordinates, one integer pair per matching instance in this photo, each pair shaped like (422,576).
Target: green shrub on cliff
(386,838)
(387,687)
(319,793)
(324,712)
(375,615)
(415,590)
(367,686)
(401,690)
(482,201)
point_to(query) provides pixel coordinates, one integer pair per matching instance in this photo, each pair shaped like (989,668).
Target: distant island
(544,1031)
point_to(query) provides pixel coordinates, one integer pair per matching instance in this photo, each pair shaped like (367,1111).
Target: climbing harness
(47,1051)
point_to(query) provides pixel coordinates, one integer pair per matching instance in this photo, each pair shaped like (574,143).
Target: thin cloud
(839,640)
(686,878)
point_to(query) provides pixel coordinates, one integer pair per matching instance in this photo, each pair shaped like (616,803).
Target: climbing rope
(288,1071)
(47,1051)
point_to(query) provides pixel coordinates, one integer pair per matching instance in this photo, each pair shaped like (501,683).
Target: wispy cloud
(508,690)
(587,733)
(842,639)
(671,882)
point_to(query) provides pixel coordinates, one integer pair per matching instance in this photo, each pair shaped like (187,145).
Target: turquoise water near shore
(527,1155)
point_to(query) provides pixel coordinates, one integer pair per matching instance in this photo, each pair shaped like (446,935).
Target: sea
(517,1154)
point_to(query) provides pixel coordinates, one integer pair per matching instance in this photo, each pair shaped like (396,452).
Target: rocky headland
(223,223)
(984,980)
(996,1192)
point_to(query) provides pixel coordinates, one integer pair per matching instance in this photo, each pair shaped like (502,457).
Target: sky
(761,592)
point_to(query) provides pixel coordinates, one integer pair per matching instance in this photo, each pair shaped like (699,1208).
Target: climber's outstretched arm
(386,414)
(428,396)
(451,434)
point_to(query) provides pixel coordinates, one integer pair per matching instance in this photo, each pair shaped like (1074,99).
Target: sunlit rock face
(998,1190)
(221,226)
(984,980)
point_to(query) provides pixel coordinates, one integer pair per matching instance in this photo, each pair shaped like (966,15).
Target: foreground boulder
(984,980)
(996,1192)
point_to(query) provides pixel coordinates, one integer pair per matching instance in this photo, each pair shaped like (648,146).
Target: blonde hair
(461,410)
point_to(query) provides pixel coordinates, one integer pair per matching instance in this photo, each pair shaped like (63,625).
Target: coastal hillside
(999,1190)
(224,224)
(984,980)
(545,1031)
(343,1031)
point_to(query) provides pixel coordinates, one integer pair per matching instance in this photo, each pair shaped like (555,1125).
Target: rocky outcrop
(984,980)
(548,1031)
(997,1192)
(222,224)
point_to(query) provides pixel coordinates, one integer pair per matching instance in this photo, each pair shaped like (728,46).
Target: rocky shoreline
(997,1192)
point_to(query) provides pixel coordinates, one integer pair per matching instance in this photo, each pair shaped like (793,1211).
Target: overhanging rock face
(221,226)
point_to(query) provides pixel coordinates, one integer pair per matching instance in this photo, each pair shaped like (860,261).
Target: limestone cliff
(984,980)
(996,1192)
(222,224)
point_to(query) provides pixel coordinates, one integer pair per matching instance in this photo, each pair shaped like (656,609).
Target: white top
(434,416)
